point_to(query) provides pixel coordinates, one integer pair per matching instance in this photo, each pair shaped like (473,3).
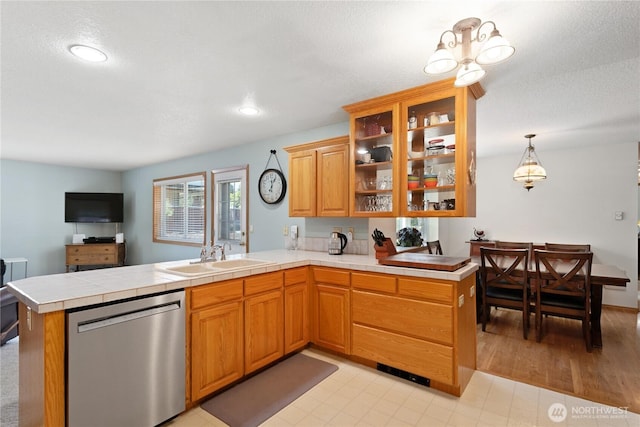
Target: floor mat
(255,400)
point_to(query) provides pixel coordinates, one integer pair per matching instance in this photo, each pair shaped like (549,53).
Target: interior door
(230,209)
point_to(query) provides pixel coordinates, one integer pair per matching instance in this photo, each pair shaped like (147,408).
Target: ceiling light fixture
(249,110)
(529,169)
(88,53)
(492,50)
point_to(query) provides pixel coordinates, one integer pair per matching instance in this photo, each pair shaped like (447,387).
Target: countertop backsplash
(321,244)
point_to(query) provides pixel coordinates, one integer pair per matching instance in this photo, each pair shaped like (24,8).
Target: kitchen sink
(190,270)
(212,267)
(238,263)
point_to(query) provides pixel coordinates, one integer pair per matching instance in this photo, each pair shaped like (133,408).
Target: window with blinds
(179,209)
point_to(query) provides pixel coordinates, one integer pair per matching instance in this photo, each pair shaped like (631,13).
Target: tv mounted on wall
(93,207)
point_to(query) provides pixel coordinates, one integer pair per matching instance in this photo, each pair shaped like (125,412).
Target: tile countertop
(57,292)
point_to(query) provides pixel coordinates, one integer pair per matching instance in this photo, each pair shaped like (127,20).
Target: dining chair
(504,277)
(518,245)
(434,247)
(563,288)
(563,247)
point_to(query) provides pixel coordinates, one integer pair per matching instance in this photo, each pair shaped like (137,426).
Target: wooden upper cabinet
(332,178)
(318,178)
(431,131)
(302,183)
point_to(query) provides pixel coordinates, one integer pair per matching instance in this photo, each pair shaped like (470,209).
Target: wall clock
(272,186)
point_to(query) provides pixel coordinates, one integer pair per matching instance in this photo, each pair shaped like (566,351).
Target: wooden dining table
(601,275)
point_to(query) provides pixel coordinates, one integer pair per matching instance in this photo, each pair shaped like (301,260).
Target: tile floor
(356,395)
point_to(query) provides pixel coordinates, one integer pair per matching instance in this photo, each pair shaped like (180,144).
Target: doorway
(230,209)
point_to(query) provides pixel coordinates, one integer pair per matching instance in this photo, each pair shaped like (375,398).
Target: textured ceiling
(178,71)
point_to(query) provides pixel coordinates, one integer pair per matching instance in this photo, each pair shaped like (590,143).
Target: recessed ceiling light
(249,110)
(88,53)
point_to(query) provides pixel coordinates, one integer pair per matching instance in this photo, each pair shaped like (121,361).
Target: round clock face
(272,186)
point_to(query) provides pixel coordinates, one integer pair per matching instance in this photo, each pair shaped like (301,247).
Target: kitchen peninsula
(420,322)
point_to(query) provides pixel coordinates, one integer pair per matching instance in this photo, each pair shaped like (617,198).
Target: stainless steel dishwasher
(126,362)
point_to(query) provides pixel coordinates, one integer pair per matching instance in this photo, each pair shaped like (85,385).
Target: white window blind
(179,209)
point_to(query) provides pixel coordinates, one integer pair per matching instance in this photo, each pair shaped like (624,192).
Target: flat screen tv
(93,207)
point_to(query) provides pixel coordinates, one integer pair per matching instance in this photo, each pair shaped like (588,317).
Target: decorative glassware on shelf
(384,183)
(379,203)
(451,176)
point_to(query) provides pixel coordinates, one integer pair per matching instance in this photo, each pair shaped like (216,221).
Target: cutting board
(425,261)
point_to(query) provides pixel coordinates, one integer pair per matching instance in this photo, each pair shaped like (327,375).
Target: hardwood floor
(609,375)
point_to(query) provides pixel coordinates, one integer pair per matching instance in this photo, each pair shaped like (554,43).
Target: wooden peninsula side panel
(41,368)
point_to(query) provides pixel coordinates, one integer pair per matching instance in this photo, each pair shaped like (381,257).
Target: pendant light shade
(469,74)
(442,61)
(529,169)
(495,50)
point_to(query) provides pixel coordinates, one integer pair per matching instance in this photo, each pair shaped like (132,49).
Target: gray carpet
(9,383)
(257,399)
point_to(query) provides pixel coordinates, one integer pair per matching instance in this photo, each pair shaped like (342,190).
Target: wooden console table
(95,254)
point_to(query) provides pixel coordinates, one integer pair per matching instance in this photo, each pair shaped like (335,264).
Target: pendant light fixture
(491,49)
(529,169)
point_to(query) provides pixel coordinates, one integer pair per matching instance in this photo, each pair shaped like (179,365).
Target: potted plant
(409,236)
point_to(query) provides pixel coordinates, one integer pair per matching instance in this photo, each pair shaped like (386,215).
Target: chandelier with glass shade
(467,39)
(529,169)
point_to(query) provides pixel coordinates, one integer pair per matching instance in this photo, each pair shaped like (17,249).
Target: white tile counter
(57,292)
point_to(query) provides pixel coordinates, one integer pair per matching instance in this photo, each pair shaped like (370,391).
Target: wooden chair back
(565,247)
(434,247)
(563,288)
(504,277)
(518,245)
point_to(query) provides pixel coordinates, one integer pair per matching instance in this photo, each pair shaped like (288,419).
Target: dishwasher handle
(103,322)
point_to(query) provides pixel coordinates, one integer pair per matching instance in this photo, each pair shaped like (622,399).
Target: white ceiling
(178,71)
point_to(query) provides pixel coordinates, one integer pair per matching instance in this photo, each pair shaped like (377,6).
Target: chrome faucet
(222,247)
(212,252)
(203,253)
(208,253)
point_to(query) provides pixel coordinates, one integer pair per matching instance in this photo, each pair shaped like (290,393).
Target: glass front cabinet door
(431,132)
(374,170)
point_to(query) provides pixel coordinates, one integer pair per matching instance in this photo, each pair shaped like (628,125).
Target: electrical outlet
(350,230)
(294,231)
(461,300)
(472,291)
(285,231)
(337,229)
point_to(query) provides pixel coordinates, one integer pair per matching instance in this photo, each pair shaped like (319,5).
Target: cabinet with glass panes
(432,138)
(374,170)
(438,144)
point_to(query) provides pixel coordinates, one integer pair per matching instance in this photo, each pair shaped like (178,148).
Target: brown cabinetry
(423,326)
(95,254)
(296,309)
(332,320)
(430,130)
(217,334)
(318,180)
(264,320)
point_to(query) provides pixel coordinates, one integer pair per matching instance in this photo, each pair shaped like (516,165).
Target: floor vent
(404,375)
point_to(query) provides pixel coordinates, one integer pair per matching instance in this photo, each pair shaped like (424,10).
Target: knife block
(387,249)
